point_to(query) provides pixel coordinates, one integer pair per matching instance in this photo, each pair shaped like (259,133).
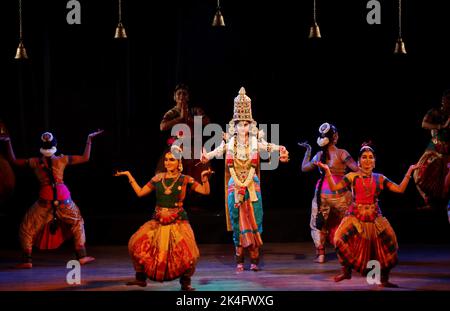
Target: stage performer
(182,113)
(433,170)
(328,207)
(242,146)
(164,248)
(364,234)
(54,217)
(7,177)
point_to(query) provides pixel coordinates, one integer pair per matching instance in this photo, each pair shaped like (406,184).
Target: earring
(254,129)
(231,129)
(180,166)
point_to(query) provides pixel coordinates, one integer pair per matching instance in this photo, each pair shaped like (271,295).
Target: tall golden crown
(242,107)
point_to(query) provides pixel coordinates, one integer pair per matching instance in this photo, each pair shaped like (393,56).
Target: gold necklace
(367,188)
(168,189)
(240,150)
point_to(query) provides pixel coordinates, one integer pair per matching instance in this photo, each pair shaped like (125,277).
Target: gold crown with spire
(242,107)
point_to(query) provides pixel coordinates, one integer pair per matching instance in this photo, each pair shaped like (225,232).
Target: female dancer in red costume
(364,234)
(54,217)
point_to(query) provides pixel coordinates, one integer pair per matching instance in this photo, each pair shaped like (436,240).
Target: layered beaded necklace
(241,150)
(168,189)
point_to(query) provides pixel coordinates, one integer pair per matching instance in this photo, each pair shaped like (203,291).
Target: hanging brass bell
(120,32)
(314,31)
(400,47)
(218,20)
(21,53)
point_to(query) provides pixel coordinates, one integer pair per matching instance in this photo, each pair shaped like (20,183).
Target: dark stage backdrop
(78,79)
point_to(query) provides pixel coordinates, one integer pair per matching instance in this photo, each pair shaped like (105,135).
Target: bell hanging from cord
(400,47)
(218,20)
(314,31)
(21,52)
(120,32)
(399,44)
(120,29)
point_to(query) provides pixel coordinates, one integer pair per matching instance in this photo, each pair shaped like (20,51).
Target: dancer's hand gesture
(93,134)
(306,145)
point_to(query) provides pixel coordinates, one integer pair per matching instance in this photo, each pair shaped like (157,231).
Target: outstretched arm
(348,160)
(11,156)
(140,191)
(402,187)
(87,150)
(351,164)
(219,151)
(307,165)
(269,147)
(204,188)
(333,186)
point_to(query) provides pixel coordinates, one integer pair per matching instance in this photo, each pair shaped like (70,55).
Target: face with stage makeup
(367,160)
(171,163)
(243,127)
(181,97)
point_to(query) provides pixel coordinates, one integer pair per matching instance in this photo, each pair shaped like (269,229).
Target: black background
(78,79)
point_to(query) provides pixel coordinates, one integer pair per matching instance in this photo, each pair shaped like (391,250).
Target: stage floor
(285,267)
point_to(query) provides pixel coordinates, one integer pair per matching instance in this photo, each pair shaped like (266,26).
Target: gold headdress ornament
(242,111)
(242,107)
